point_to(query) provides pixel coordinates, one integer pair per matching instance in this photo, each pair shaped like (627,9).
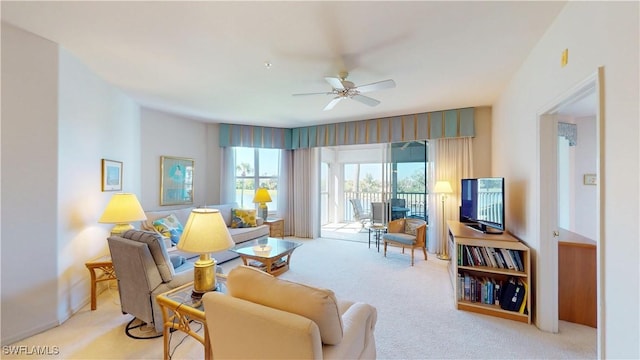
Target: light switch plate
(590,179)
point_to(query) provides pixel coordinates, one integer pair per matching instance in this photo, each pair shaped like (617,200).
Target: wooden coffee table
(270,255)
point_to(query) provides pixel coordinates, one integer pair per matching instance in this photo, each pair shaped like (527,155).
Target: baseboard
(15,337)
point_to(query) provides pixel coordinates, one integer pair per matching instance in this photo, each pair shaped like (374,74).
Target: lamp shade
(205,232)
(262,196)
(122,208)
(443,187)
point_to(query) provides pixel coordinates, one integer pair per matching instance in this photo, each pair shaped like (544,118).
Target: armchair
(144,270)
(264,317)
(410,233)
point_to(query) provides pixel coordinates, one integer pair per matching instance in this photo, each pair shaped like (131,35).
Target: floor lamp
(443,188)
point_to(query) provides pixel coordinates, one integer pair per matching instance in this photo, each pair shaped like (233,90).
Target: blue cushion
(400,237)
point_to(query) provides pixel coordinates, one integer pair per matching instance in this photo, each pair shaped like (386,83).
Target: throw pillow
(243,218)
(169,227)
(411,227)
(318,305)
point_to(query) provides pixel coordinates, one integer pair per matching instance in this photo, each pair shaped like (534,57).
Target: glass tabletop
(266,247)
(182,294)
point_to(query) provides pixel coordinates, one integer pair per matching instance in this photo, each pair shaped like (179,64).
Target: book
(467,287)
(497,259)
(470,260)
(490,257)
(507,259)
(516,255)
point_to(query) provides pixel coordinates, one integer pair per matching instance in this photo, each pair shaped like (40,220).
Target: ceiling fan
(343,89)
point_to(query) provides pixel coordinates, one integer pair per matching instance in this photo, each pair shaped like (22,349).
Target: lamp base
(204,275)
(263,211)
(120,229)
(443,257)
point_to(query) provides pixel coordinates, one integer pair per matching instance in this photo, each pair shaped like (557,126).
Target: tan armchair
(264,317)
(409,233)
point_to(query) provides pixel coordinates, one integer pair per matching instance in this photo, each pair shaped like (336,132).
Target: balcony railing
(416,202)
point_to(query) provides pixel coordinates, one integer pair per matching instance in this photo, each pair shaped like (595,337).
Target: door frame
(547,258)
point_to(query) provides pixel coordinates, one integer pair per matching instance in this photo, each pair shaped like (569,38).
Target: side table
(276,227)
(179,309)
(108,273)
(377,231)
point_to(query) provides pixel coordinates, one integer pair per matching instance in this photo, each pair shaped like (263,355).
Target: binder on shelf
(523,306)
(513,295)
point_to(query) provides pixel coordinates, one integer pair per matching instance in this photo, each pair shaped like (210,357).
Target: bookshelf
(480,264)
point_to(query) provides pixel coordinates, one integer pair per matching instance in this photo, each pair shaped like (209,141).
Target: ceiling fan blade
(316,93)
(380,85)
(366,100)
(335,83)
(332,103)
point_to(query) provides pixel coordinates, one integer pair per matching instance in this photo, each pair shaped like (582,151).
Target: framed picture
(111,175)
(176,180)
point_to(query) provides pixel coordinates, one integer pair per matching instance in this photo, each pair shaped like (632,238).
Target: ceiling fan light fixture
(342,89)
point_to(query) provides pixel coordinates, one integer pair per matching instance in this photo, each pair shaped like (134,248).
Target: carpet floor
(416,315)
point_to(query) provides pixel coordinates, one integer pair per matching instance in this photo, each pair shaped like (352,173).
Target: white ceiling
(207,59)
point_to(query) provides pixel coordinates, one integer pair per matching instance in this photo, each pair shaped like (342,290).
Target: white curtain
(227,175)
(450,160)
(305,210)
(285,187)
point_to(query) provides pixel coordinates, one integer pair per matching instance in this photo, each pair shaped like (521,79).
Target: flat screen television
(482,204)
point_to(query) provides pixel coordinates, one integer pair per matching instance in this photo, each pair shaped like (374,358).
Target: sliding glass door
(389,181)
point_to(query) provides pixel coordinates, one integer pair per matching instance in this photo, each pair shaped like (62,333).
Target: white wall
(29,184)
(596,34)
(165,134)
(585,196)
(95,121)
(58,120)
(482,143)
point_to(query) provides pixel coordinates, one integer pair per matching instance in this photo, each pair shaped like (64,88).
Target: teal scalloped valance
(423,126)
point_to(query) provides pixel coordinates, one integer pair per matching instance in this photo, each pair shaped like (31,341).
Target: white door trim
(547,257)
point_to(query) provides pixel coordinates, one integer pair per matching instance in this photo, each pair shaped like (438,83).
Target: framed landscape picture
(176,180)
(111,175)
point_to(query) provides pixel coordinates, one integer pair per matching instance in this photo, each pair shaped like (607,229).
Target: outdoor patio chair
(358,213)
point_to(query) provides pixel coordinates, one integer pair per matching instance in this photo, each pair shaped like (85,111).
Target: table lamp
(205,232)
(443,188)
(262,197)
(122,209)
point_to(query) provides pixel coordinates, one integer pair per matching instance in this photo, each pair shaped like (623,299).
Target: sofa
(238,234)
(264,317)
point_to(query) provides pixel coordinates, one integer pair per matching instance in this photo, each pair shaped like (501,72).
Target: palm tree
(243,169)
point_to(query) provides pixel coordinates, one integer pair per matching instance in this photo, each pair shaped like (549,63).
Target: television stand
(484,229)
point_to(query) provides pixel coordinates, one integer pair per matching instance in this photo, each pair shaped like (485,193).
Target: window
(256,168)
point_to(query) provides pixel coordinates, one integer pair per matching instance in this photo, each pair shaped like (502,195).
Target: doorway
(563,199)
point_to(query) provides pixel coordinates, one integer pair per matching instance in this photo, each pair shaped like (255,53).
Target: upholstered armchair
(264,317)
(409,233)
(144,270)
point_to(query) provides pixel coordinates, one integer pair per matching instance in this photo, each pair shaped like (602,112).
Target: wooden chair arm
(421,235)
